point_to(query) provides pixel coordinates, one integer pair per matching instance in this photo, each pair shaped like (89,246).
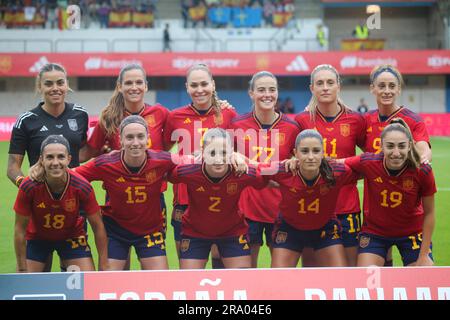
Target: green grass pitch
(441,238)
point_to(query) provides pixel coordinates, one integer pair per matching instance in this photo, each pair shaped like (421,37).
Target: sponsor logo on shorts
(185,245)
(364,241)
(281,237)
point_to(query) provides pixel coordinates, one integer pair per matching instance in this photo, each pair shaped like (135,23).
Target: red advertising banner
(230,63)
(375,283)
(438,124)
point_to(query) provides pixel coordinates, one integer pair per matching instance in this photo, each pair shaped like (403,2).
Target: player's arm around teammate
(213,215)
(52,208)
(401,200)
(307,210)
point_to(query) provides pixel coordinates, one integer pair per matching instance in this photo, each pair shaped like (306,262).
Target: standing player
(386,84)
(51,210)
(52,116)
(133,178)
(187,125)
(342,130)
(400,200)
(213,216)
(307,209)
(127,99)
(263,135)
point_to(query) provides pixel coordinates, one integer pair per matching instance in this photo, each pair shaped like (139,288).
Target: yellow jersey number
(136,194)
(395,199)
(55,222)
(332,149)
(313,207)
(215,202)
(269,152)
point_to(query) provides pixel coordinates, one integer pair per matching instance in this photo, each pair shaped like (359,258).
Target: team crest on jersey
(281,237)
(408,183)
(345,129)
(150,120)
(364,241)
(72,124)
(218,119)
(70,205)
(324,189)
(280,138)
(150,177)
(185,245)
(232,188)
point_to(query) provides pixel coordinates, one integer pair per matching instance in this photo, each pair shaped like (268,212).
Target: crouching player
(213,215)
(400,194)
(307,211)
(52,208)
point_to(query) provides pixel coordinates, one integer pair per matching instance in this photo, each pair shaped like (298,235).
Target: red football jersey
(263,145)
(310,208)
(340,138)
(133,198)
(213,206)
(186,126)
(56,220)
(394,202)
(155,116)
(374,127)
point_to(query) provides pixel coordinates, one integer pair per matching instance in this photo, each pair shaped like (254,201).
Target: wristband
(19,180)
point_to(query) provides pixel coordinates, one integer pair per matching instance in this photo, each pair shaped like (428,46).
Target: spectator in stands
(103,14)
(322,36)
(361,31)
(362,108)
(287,106)
(268,9)
(166,39)
(185,6)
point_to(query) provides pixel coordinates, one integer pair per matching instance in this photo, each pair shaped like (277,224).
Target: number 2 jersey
(263,144)
(394,202)
(213,206)
(56,219)
(133,198)
(186,126)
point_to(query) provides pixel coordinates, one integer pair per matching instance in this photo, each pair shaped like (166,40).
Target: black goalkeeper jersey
(32,127)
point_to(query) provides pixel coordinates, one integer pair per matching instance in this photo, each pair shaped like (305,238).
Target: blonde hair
(398,124)
(215,101)
(312,105)
(112,115)
(48,68)
(386,68)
